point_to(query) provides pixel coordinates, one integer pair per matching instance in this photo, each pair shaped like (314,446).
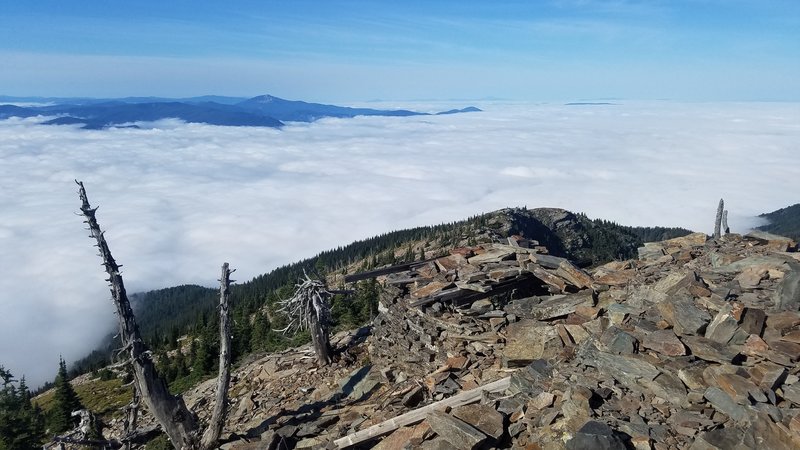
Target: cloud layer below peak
(178,199)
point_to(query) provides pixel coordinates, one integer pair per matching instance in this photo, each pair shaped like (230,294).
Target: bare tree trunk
(320,340)
(131,418)
(170,411)
(308,309)
(214,430)
(718,222)
(725,222)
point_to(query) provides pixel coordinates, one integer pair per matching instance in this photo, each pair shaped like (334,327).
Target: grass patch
(102,397)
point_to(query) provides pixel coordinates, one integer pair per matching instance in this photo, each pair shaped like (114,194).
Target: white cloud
(179,199)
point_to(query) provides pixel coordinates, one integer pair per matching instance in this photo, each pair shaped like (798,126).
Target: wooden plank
(464,296)
(447,294)
(384,271)
(419,414)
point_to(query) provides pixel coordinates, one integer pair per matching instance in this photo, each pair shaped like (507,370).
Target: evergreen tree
(21,424)
(242,330)
(261,332)
(65,401)
(206,352)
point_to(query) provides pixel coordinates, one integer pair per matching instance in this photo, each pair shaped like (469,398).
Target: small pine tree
(65,401)
(261,332)
(21,424)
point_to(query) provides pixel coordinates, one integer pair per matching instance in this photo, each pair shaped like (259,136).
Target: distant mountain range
(261,111)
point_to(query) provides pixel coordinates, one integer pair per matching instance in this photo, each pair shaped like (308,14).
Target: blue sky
(699,50)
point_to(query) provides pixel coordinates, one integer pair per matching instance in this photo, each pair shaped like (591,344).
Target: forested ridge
(785,222)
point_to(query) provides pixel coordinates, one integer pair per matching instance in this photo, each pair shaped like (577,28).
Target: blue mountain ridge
(261,111)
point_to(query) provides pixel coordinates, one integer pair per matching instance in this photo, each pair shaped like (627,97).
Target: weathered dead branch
(169,411)
(725,227)
(309,309)
(214,429)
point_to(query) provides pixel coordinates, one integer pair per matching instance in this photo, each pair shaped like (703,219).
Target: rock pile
(694,345)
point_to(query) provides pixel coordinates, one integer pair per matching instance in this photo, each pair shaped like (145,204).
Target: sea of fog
(179,199)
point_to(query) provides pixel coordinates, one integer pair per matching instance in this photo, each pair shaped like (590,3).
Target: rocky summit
(694,345)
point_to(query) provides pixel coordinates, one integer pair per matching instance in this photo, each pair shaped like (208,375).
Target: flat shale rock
(792,393)
(398,439)
(709,350)
(430,289)
(787,296)
(547,261)
(650,252)
(531,379)
(458,433)
(437,444)
(528,340)
(770,262)
(483,417)
(664,342)
(574,275)
(790,349)
(684,316)
(619,342)
(558,306)
(723,403)
(766,434)
(783,321)
(728,438)
(753,320)
(595,435)
(492,255)
(451,262)
(625,369)
(666,386)
(616,278)
(541,401)
(740,389)
(524,307)
(723,327)
(768,375)
(751,276)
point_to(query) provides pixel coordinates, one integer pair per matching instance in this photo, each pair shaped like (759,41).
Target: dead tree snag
(169,411)
(725,227)
(309,309)
(718,221)
(214,430)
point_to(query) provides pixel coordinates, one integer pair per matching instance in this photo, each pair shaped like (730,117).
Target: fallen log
(385,271)
(420,414)
(464,296)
